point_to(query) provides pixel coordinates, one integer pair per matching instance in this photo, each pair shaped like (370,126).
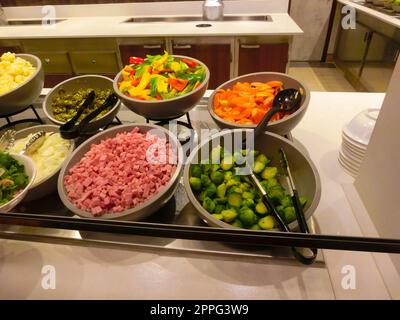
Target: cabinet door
(263,57)
(97,62)
(217,57)
(13,49)
(139,50)
(55,62)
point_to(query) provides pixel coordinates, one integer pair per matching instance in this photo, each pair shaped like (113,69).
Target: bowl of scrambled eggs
(48,158)
(21,81)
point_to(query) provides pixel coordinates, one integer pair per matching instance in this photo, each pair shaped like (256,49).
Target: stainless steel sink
(29,22)
(195,19)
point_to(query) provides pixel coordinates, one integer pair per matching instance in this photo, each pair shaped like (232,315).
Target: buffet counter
(150,272)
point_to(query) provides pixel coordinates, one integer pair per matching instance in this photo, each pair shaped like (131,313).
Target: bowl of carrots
(162,87)
(243,101)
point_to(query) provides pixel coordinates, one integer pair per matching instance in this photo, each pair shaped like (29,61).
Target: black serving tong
(76,130)
(286,100)
(66,127)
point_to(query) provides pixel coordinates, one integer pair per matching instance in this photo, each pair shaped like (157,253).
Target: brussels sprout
(249,203)
(196,171)
(216,154)
(208,204)
(211,190)
(255,227)
(247,216)
(214,168)
(217,177)
(290,214)
(218,216)
(202,195)
(227,163)
(271,183)
(232,182)
(245,179)
(238,157)
(206,168)
(276,194)
(205,180)
(258,167)
(245,186)
(286,202)
(264,184)
(303,201)
(269,172)
(266,223)
(219,208)
(263,159)
(222,201)
(228,175)
(248,195)
(229,215)
(221,190)
(237,223)
(235,189)
(261,208)
(235,200)
(195,183)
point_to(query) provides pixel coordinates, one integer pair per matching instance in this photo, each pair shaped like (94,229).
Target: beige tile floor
(320,77)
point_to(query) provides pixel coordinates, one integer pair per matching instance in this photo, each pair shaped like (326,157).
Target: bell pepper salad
(247,103)
(160,77)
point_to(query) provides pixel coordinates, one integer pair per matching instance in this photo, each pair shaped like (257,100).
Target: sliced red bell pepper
(135,60)
(198,83)
(190,63)
(178,84)
(135,82)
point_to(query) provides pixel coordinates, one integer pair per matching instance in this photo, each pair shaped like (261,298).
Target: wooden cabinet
(140,50)
(217,57)
(84,62)
(258,57)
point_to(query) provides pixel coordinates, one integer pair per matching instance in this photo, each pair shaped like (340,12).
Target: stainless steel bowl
(143,210)
(49,184)
(283,126)
(164,109)
(74,84)
(304,172)
(27,92)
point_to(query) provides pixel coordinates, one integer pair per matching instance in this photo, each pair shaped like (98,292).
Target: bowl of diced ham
(127,172)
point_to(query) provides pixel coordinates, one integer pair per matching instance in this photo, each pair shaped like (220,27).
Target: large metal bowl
(283,126)
(74,84)
(27,92)
(49,184)
(148,207)
(164,109)
(30,171)
(305,174)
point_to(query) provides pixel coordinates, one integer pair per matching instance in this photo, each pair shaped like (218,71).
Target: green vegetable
(303,201)
(208,204)
(219,208)
(269,172)
(206,168)
(231,183)
(228,175)
(235,200)
(216,154)
(261,208)
(235,189)
(249,203)
(205,180)
(218,216)
(153,87)
(227,163)
(255,227)
(266,223)
(262,158)
(290,214)
(195,183)
(196,171)
(237,223)
(286,202)
(258,167)
(221,190)
(202,195)
(276,194)
(248,195)
(222,201)
(215,168)
(248,217)
(211,190)
(229,215)
(217,177)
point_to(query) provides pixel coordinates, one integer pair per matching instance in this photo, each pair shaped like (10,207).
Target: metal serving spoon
(34,143)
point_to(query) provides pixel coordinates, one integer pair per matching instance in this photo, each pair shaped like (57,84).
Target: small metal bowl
(164,109)
(283,126)
(304,172)
(138,212)
(49,184)
(74,84)
(27,92)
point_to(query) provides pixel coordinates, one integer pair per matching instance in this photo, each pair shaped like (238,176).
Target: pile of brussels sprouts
(232,198)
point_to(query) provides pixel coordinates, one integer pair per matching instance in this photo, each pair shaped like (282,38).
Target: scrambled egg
(13,71)
(49,157)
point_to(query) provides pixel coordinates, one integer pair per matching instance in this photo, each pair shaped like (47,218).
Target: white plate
(353,142)
(354,148)
(362,125)
(354,153)
(347,169)
(348,163)
(350,158)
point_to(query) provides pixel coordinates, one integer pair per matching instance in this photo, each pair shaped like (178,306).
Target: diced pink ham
(115,174)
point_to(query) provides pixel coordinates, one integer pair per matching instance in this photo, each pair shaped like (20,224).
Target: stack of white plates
(355,139)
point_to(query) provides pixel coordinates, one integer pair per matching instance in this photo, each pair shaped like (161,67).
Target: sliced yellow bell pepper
(158,64)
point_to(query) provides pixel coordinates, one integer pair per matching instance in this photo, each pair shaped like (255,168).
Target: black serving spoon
(76,131)
(66,127)
(287,101)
